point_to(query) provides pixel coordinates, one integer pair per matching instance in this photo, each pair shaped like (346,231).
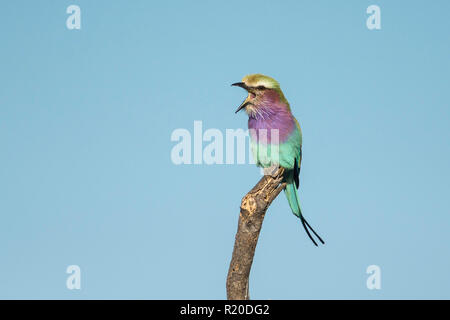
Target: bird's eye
(260,87)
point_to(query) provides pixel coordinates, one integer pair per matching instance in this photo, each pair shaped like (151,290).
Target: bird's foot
(271,171)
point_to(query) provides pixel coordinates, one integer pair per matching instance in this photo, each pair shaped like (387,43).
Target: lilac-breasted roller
(275,136)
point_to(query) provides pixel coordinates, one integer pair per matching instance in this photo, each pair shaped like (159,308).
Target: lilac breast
(276,122)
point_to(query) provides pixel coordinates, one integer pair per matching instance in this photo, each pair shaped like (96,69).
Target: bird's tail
(294,203)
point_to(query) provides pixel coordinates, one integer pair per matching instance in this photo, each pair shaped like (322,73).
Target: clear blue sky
(86,176)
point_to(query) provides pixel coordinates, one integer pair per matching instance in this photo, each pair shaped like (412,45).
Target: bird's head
(263,93)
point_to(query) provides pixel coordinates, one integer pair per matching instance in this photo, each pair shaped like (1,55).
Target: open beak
(245,102)
(240,84)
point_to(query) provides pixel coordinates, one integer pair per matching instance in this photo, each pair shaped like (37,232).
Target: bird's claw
(271,171)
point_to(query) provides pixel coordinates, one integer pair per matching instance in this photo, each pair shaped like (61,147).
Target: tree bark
(253,209)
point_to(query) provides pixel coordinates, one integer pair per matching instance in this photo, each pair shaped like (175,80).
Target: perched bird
(275,136)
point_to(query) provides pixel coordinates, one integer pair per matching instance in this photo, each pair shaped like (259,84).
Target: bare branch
(253,209)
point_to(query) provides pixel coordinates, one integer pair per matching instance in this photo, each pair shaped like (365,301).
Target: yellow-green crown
(256,80)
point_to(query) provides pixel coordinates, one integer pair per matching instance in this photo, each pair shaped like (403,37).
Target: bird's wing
(297,165)
(298,156)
